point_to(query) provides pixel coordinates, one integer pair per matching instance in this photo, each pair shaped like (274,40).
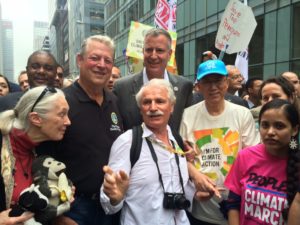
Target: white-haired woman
(40,115)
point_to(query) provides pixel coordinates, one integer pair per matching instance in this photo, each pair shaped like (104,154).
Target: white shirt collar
(148,133)
(145,77)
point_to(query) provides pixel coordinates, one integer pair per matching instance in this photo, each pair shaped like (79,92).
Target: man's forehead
(234,71)
(42,58)
(154,91)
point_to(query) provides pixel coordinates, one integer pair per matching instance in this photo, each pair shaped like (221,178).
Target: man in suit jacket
(157,52)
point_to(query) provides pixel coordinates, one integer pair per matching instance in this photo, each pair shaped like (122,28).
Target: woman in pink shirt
(263,180)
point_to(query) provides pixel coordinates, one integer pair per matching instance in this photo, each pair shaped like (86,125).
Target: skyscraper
(40,31)
(7,49)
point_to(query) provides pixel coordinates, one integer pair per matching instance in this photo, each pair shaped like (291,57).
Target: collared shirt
(87,141)
(146,80)
(143,202)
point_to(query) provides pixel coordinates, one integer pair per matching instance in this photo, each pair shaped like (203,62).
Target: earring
(293,144)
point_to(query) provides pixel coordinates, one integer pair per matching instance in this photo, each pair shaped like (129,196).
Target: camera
(175,201)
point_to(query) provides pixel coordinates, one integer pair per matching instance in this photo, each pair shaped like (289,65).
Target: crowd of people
(153,147)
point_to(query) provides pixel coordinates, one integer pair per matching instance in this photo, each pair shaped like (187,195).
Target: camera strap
(153,154)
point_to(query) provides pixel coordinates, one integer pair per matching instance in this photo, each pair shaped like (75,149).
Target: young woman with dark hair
(4,85)
(264,178)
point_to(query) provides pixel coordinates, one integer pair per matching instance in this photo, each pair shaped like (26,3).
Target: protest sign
(236,28)
(136,41)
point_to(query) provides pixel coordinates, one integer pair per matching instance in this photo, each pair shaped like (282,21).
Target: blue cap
(211,67)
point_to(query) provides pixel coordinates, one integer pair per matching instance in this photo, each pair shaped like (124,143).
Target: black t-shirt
(86,145)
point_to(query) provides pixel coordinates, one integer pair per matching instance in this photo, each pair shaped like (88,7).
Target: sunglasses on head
(50,89)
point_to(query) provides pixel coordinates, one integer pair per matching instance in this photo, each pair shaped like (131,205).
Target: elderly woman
(40,115)
(4,86)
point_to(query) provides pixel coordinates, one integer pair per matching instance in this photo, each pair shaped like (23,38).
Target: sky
(23,13)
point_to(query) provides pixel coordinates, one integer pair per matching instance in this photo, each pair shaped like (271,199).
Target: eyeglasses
(50,89)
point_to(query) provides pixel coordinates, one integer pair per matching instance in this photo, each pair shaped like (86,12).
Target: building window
(153,4)
(96,14)
(111,8)
(256,45)
(141,8)
(296,32)
(179,54)
(96,29)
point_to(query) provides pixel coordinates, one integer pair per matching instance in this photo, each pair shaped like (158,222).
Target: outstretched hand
(6,220)
(115,185)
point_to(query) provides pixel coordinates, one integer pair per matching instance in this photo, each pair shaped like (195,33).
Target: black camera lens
(181,202)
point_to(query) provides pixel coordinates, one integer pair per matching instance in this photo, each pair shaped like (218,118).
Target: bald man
(294,79)
(235,79)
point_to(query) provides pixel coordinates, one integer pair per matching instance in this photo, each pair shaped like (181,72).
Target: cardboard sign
(236,28)
(136,41)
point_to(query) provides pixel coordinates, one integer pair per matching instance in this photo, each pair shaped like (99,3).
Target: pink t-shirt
(260,179)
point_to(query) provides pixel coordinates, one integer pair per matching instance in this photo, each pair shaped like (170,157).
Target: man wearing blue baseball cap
(216,129)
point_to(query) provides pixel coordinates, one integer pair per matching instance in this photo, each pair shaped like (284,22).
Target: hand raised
(115,185)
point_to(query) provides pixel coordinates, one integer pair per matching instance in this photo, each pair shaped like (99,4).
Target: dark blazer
(127,87)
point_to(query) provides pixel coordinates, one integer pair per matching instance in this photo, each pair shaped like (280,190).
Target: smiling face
(213,87)
(156,107)
(53,127)
(157,53)
(276,131)
(95,64)
(41,70)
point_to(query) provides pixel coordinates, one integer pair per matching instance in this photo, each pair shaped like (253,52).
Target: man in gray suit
(157,52)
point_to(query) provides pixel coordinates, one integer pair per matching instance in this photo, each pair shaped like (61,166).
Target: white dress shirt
(146,80)
(143,202)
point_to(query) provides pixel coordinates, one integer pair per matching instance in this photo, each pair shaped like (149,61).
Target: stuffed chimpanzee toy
(49,195)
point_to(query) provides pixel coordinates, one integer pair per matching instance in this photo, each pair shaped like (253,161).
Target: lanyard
(153,154)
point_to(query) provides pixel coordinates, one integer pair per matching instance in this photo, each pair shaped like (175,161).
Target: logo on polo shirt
(114,118)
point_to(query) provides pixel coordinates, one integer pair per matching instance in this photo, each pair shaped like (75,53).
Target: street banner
(165,14)
(236,28)
(165,18)
(136,41)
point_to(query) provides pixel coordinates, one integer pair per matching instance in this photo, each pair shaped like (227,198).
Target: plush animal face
(48,167)
(55,168)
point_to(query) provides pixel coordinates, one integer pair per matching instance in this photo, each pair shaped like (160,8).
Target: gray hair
(19,116)
(99,38)
(155,32)
(157,83)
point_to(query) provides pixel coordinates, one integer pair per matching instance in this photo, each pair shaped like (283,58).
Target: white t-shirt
(217,140)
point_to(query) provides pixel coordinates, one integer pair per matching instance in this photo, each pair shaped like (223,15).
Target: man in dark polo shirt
(95,124)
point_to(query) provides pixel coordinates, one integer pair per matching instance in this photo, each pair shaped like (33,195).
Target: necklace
(178,150)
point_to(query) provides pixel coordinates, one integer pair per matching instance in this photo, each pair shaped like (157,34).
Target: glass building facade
(71,22)
(273,49)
